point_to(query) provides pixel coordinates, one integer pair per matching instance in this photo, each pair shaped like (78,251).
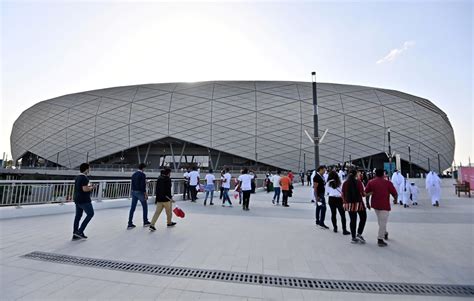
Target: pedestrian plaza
(428,245)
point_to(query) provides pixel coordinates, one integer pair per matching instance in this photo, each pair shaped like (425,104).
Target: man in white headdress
(313,174)
(341,175)
(397,180)
(433,186)
(405,191)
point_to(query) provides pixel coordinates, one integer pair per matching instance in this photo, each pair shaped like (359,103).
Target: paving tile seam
(389,288)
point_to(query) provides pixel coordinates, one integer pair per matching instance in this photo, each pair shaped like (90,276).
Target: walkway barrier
(34,192)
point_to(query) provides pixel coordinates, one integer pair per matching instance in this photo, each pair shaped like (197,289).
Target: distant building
(225,123)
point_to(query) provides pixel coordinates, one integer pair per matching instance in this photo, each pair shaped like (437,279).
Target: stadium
(232,123)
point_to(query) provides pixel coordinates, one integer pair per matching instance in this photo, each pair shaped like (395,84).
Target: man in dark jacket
(163,198)
(82,199)
(139,194)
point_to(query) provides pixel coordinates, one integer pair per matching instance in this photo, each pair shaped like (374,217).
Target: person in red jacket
(291,176)
(380,190)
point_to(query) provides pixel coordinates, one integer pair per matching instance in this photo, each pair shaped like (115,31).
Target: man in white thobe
(414,194)
(433,186)
(313,174)
(341,175)
(405,192)
(397,180)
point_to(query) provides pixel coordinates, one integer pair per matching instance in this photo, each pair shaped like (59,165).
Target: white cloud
(394,53)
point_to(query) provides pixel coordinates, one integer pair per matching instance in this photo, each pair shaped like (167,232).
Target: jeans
(159,208)
(320,210)
(363,219)
(246,198)
(138,196)
(221,195)
(225,196)
(335,203)
(186,190)
(192,189)
(276,195)
(209,190)
(80,208)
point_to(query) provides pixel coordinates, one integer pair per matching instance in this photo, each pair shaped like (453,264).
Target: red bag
(179,212)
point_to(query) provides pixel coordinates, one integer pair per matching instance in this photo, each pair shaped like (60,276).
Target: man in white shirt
(226,185)
(276,187)
(193,182)
(186,185)
(210,178)
(245,184)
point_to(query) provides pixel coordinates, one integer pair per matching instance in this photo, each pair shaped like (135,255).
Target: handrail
(28,192)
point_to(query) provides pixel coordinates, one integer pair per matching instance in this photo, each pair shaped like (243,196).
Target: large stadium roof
(260,120)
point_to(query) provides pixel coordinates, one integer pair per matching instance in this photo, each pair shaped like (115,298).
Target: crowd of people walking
(350,191)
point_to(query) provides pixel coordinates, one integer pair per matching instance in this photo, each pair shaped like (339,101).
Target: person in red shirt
(380,190)
(291,176)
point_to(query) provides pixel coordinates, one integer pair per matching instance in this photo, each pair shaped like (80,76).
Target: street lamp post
(315,121)
(429,165)
(304,162)
(439,165)
(409,159)
(389,152)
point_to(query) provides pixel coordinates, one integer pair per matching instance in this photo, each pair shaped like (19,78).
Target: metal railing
(33,192)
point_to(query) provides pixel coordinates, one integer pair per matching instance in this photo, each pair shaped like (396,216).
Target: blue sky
(424,48)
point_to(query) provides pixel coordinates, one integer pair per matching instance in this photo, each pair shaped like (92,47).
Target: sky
(425,48)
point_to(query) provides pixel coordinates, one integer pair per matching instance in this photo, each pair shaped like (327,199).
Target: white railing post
(100,191)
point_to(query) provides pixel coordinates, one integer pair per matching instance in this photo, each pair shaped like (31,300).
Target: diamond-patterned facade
(263,120)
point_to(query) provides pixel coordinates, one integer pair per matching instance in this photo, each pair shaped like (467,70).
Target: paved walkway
(427,245)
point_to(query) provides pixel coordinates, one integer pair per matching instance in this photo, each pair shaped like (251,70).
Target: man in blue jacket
(139,194)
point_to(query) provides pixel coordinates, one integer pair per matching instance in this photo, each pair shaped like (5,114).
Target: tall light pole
(315,121)
(304,162)
(409,159)
(389,152)
(439,165)
(429,165)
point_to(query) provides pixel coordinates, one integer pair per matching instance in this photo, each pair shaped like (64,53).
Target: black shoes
(381,243)
(335,230)
(361,239)
(345,232)
(146,224)
(152,228)
(211,203)
(286,205)
(273,202)
(78,236)
(130,226)
(171,224)
(323,226)
(386,235)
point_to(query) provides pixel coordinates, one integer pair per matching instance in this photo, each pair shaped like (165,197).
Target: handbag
(179,212)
